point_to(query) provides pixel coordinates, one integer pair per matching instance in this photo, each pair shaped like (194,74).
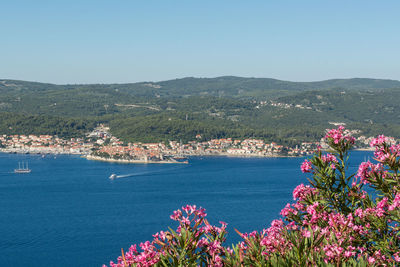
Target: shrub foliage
(333,220)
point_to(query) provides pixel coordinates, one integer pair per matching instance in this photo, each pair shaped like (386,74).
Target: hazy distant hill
(226,86)
(264,87)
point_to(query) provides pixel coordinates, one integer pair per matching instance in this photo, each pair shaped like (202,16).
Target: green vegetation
(281,111)
(333,221)
(39,124)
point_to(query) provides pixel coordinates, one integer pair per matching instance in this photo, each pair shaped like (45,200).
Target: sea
(67,212)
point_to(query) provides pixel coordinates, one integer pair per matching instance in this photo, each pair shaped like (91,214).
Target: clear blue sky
(82,41)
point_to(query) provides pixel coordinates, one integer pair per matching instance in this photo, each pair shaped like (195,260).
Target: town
(101,145)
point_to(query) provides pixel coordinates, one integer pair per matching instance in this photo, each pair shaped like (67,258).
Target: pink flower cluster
(302,192)
(328,158)
(349,235)
(306,166)
(198,215)
(367,172)
(339,232)
(203,238)
(337,136)
(379,141)
(148,257)
(273,240)
(384,152)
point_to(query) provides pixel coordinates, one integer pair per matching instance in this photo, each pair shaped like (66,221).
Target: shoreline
(88,156)
(91,157)
(224,154)
(137,161)
(40,151)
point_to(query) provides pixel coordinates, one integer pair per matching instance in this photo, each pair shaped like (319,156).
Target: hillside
(212,107)
(225,86)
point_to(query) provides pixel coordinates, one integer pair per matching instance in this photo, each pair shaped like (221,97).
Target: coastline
(88,156)
(140,161)
(137,161)
(41,151)
(252,155)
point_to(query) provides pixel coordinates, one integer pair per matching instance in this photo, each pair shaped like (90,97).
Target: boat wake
(145,173)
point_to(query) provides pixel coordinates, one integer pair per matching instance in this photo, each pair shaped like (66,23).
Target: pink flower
(383,203)
(395,150)
(189,209)
(214,247)
(229,250)
(185,220)
(287,210)
(396,257)
(176,215)
(301,192)
(371,260)
(242,245)
(306,233)
(359,213)
(337,136)
(396,202)
(200,212)
(161,235)
(363,171)
(224,224)
(381,155)
(329,158)
(202,242)
(367,170)
(306,166)
(380,140)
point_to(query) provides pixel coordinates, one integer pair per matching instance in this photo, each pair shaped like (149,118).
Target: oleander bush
(337,219)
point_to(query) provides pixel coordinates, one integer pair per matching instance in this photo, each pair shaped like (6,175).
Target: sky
(115,41)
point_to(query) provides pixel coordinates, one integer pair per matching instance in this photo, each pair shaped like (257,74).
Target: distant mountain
(357,83)
(225,86)
(241,87)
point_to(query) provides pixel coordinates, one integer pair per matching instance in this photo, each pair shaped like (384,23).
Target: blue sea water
(68,213)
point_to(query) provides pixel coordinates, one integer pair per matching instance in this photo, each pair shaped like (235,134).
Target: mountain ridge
(395,83)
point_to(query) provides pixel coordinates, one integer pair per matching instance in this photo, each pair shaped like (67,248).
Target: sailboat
(24,169)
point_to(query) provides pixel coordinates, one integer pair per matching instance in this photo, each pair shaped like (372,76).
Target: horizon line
(194,77)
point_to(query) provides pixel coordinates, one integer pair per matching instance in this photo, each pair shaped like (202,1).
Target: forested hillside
(287,112)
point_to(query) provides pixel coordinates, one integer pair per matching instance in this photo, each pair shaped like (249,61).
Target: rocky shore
(167,161)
